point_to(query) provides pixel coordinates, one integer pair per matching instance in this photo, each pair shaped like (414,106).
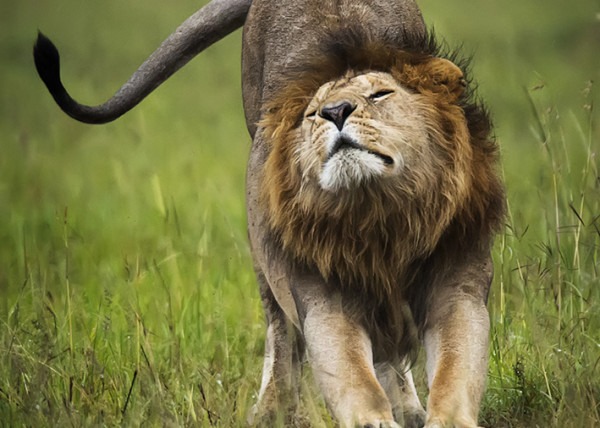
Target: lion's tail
(205,27)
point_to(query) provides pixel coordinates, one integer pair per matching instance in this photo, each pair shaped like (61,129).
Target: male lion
(372,201)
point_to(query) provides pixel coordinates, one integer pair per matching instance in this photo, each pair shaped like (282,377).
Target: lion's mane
(377,236)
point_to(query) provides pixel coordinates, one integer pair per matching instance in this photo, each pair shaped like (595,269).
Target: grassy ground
(127,294)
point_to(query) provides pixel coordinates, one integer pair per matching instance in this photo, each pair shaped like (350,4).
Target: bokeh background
(127,295)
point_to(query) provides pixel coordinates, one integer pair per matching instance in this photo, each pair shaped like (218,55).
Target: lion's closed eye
(381,94)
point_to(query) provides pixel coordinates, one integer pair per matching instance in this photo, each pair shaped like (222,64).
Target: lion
(372,196)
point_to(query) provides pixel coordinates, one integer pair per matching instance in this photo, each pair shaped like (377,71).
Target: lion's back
(283,36)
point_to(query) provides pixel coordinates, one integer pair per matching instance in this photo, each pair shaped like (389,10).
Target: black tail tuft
(47,63)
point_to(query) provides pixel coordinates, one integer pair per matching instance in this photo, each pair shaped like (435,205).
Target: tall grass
(546,347)
(128,296)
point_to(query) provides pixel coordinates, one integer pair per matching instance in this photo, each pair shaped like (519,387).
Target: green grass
(126,283)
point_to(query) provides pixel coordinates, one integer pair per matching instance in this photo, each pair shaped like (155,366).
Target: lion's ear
(446,76)
(437,75)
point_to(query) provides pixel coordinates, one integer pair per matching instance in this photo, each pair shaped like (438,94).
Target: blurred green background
(127,291)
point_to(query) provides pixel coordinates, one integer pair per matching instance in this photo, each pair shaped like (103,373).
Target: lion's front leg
(456,341)
(340,354)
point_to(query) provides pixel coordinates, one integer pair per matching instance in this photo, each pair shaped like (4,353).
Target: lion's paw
(415,419)
(438,423)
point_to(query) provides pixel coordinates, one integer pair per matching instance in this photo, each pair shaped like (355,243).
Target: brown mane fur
(370,238)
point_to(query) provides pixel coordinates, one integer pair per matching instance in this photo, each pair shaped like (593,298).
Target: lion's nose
(337,113)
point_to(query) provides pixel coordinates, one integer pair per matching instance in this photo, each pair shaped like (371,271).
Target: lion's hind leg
(397,381)
(278,396)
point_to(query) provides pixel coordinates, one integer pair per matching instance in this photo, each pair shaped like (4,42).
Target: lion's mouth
(345,143)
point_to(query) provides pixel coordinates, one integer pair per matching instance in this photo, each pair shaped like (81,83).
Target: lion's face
(361,128)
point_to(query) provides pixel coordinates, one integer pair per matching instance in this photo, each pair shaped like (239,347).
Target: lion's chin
(349,168)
